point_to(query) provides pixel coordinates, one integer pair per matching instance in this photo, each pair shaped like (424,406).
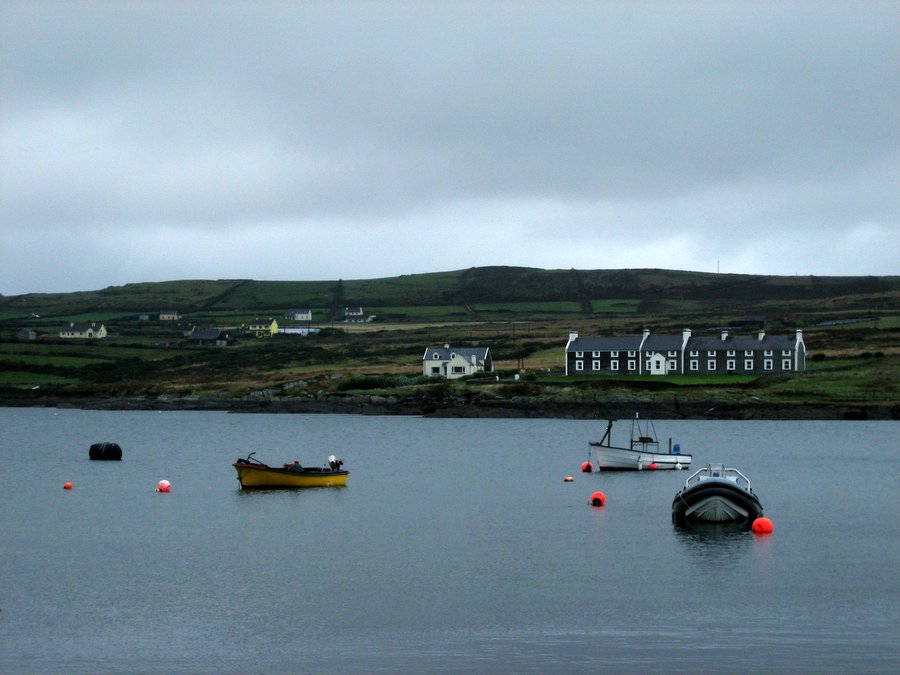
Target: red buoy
(598,499)
(653,466)
(163,486)
(587,467)
(67,486)
(762,525)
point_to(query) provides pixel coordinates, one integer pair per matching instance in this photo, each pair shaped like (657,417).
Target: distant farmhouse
(357,315)
(210,337)
(298,315)
(456,362)
(169,315)
(83,331)
(685,354)
(263,328)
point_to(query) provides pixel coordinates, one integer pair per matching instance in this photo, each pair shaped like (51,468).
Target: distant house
(211,337)
(685,354)
(456,362)
(299,330)
(357,315)
(263,328)
(169,315)
(298,315)
(83,331)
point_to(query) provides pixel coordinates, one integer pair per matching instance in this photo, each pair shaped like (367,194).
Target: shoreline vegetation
(148,361)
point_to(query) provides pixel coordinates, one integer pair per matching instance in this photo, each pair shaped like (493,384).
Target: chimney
(646,333)
(573,335)
(685,335)
(446,345)
(762,335)
(724,335)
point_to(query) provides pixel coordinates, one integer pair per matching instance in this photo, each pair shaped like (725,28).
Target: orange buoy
(587,467)
(67,486)
(163,486)
(568,479)
(762,525)
(598,499)
(652,466)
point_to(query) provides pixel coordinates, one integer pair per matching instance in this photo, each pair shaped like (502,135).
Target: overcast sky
(151,141)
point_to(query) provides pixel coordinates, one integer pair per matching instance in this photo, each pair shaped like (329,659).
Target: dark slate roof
(663,343)
(211,334)
(606,344)
(443,353)
(740,343)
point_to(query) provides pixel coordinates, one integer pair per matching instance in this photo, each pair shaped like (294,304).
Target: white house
(83,331)
(456,362)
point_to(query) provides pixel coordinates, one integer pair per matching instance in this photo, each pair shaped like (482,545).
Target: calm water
(455,548)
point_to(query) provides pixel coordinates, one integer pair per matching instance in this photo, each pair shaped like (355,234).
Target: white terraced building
(685,354)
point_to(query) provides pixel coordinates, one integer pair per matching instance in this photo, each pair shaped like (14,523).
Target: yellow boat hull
(252,476)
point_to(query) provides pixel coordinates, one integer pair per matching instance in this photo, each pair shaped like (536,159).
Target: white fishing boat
(643,452)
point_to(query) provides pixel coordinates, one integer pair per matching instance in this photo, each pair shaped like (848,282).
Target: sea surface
(455,548)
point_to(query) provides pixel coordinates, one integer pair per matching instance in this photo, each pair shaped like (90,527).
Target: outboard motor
(334,463)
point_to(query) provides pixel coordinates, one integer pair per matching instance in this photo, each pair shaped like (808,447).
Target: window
(768,352)
(632,365)
(614,353)
(786,364)
(436,356)
(614,365)
(579,355)
(748,364)
(672,354)
(729,365)
(730,352)
(711,364)
(785,352)
(710,353)
(435,370)
(631,352)
(579,365)
(694,352)
(649,366)
(695,365)
(767,364)
(748,352)
(673,364)
(457,370)
(595,365)
(596,355)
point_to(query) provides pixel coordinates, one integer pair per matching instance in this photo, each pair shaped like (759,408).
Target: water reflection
(715,544)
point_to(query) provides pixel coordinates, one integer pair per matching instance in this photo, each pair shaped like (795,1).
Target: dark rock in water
(105,451)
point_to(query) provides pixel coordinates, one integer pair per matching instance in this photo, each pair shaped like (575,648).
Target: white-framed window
(631,352)
(436,356)
(435,370)
(768,352)
(458,369)
(672,354)
(730,352)
(613,365)
(595,365)
(785,352)
(748,352)
(711,364)
(614,353)
(632,364)
(710,353)
(596,355)
(694,352)
(785,364)
(748,364)
(579,365)
(695,365)
(673,364)
(649,366)
(579,355)
(729,365)
(767,364)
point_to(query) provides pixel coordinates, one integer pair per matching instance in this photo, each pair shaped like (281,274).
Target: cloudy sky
(150,141)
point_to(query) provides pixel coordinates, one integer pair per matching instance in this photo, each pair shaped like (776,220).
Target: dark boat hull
(715,501)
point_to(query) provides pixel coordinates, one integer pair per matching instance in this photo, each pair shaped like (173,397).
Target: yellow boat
(253,474)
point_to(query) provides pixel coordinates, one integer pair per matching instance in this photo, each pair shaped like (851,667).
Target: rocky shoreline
(462,408)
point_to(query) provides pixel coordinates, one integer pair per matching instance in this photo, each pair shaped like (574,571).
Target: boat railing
(719,471)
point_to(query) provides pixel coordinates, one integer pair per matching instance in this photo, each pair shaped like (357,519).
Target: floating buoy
(568,479)
(67,486)
(163,486)
(762,525)
(652,466)
(678,466)
(598,499)
(587,467)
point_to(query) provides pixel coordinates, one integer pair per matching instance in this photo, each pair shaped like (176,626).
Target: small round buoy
(568,479)
(652,466)
(163,486)
(762,525)
(67,486)
(598,499)
(678,466)
(587,467)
